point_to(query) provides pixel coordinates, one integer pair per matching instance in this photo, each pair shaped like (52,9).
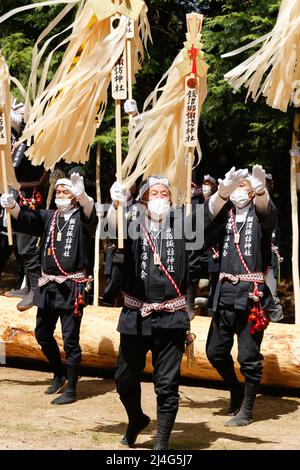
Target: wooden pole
(119,169)
(190,157)
(191,107)
(50,195)
(97,234)
(129,36)
(5,186)
(119,92)
(295,223)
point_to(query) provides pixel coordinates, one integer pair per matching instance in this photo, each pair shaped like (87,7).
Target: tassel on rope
(258,319)
(189,349)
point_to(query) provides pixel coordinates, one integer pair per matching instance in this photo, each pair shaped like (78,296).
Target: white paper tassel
(278,58)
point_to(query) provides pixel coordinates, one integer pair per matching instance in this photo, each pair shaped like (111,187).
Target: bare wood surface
(5,186)
(98,230)
(119,169)
(100,342)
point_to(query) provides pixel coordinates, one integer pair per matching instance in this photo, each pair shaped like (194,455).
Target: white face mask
(240,198)
(63,204)
(206,189)
(158,208)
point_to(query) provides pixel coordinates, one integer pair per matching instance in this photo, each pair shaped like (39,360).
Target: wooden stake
(129,36)
(189,180)
(97,234)
(129,68)
(5,186)
(50,195)
(119,92)
(119,169)
(295,223)
(4,175)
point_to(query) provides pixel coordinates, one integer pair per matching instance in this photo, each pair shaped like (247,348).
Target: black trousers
(44,332)
(167,348)
(5,250)
(113,286)
(28,251)
(224,325)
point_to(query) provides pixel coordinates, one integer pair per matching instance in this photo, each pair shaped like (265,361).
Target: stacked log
(100,341)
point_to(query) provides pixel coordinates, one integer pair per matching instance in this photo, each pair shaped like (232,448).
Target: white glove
(130,107)
(7,201)
(258,179)
(77,185)
(230,182)
(16,119)
(119,194)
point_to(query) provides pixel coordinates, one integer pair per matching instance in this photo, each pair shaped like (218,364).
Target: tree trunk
(100,342)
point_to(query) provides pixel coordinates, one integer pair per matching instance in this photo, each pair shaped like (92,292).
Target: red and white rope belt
(258,278)
(178,303)
(80,277)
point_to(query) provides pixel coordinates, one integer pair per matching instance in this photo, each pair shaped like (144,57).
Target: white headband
(209,178)
(152,181)
(65,182)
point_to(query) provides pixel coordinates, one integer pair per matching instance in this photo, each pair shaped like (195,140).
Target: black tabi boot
(235,388)
(244,416)
(165,423)
(19,293)
(137,420)
(58,381)
(27,301)
(69,394)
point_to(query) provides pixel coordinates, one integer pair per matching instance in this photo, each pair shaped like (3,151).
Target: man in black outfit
(60,294)
(245,253)
(202,265)
(155,314)
(113,267)
(30,197)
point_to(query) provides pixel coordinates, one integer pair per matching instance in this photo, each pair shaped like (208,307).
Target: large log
(100,340)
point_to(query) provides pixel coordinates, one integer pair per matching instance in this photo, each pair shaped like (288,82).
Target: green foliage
(227,26)
(17,49)
(237,132)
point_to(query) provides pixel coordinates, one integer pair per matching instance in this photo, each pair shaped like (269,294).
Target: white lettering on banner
(143,274)
(227,239)
(248,236)
(69,237)
(144,259)
(170,250)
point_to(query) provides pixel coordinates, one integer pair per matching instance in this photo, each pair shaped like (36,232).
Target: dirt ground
(97,420)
